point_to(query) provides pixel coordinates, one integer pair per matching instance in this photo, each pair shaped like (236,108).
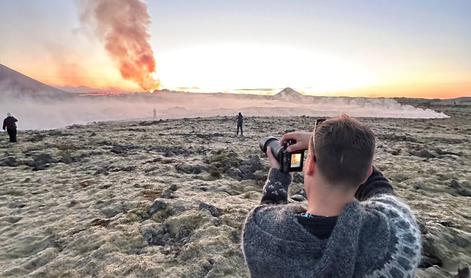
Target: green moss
(215,174)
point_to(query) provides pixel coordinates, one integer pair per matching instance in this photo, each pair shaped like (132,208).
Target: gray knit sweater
(377,237)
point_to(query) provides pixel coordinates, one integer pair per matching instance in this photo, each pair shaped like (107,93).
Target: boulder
(423,153)
(298,197)
(188,168)
(216,212)
(463,272)
(460,189)
(9,161)
(156,236)
(156,206)
(41,161)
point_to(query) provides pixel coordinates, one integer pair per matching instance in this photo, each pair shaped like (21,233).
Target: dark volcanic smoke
(123,26)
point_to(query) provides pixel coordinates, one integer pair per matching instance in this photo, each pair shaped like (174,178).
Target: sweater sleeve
(374,185)
(275,190)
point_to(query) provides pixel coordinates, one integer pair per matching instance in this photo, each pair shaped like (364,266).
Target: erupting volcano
(123,27)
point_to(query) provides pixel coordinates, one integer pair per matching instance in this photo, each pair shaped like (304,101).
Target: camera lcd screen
(296,159)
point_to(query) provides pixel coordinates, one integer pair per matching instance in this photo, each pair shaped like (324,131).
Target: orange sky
(355,48)
(106,76)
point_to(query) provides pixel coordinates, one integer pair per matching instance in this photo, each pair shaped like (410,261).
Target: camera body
(289,162)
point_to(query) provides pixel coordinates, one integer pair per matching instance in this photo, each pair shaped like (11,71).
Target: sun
(224,66)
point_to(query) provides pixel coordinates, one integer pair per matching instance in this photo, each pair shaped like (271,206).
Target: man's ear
(370,171)
(310,165)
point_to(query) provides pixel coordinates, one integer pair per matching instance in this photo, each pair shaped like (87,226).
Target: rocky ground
(168,198)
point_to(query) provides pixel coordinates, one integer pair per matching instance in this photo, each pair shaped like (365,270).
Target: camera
(289,162)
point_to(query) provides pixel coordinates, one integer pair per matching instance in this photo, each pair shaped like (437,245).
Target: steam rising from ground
(123,27)
(46,114)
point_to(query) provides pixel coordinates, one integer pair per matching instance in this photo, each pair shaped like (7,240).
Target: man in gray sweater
(354,225)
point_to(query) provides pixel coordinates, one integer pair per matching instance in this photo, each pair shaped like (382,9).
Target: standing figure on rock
(10,125)
(240,123)
(354,225)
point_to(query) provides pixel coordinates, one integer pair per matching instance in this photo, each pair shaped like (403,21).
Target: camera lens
(273,143)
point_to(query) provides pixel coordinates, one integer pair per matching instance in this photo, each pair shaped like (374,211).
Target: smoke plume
(123,27)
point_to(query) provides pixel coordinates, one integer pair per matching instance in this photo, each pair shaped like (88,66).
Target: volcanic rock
(188,168)
(423,153)
(156,206)
(158,236)
(216,212)
(298,197)
(41,161)
(463,273)
(459,189)
(9,161)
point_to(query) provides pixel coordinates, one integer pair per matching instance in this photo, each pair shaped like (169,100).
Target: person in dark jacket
(353,226)
(10,125)
(240,123)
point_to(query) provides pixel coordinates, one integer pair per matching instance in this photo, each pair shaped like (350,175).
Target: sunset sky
(368,48)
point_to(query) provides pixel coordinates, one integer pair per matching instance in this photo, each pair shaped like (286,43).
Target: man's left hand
(271,158)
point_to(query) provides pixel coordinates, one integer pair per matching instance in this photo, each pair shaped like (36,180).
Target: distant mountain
(288,94)
(15,84)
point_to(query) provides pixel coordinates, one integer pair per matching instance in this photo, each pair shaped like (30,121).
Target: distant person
(354,225)
(10,125)
(154,112)
(240,123)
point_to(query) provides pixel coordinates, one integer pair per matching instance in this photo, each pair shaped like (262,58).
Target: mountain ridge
(16,84)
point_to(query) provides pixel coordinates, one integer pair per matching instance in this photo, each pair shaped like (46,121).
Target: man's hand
(301,137)
(273,162)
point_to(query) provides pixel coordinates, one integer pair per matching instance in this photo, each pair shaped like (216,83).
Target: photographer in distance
(354,225)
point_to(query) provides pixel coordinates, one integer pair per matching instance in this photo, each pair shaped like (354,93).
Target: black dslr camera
(290,162)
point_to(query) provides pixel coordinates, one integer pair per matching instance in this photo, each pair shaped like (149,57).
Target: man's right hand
(301,138)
